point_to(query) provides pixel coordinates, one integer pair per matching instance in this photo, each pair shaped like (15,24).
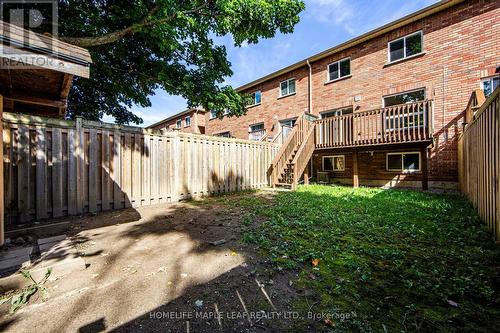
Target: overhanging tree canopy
(141,45)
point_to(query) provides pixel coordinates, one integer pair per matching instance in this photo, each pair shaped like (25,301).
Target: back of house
(394,97)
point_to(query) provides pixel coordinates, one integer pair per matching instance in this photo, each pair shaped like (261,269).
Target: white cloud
(336,12)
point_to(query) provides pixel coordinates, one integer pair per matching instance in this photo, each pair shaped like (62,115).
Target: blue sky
(323,24)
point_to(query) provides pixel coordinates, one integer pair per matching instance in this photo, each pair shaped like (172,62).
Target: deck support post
(425,169)
(355,175)
(306,176)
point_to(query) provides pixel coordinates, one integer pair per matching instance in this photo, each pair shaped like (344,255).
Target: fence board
(83,166)
(479,162)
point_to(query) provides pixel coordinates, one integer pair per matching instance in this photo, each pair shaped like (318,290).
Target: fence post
(176,161)
(79,138)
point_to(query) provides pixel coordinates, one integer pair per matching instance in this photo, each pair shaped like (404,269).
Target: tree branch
(119,34)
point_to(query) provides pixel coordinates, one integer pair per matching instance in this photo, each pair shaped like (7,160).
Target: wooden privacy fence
(55,168)
(479,162)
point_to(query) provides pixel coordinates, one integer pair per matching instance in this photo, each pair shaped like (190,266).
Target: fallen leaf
(315,262)
(454,304)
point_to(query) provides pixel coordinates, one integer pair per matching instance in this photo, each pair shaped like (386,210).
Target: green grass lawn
(389,260)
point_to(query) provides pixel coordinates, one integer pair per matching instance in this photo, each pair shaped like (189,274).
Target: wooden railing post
(355,175)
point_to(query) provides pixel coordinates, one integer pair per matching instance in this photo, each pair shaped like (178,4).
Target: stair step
(283,184)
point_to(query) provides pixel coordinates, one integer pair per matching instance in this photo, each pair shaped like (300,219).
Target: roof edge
(410,18)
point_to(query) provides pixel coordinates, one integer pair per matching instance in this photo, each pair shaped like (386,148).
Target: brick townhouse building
(383,109)
(189,121)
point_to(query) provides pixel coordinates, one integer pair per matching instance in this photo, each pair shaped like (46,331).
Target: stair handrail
(303,155)
(291,143)
(477,98)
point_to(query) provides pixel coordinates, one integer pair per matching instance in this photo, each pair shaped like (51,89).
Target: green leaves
(20,299)
(167,45)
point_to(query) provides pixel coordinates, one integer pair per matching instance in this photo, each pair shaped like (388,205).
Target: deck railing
(403,123)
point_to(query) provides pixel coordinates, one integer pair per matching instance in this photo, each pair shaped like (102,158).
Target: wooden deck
(403,123)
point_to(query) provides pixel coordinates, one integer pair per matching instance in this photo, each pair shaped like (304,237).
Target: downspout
(310,107)
(310,86)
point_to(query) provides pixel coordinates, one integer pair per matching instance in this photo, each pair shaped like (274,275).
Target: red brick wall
(461,45)
(197,121)
(270,111)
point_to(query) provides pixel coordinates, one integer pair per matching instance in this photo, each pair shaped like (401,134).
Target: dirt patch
(155,268)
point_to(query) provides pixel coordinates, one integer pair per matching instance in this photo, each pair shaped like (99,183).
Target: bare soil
(154,269)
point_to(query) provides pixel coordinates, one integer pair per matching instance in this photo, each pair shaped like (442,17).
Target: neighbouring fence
(55,168)
(479,162)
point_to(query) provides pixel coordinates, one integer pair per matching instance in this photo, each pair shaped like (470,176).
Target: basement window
(406,47)
(334,163)
(403,162)
(287,87)
(339,69)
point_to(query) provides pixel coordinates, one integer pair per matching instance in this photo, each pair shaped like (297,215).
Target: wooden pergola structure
(36,75)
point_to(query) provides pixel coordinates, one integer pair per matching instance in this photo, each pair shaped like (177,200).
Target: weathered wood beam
(36,100)
(425,169)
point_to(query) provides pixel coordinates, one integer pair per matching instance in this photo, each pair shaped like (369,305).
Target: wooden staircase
(293,157)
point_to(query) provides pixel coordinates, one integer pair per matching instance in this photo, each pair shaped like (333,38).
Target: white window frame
(403,170)
(178,124)
(420,32)
(328,80)
(212,115)
(186,121)
(254,94)
(489,78)
(288,87)
(333,164)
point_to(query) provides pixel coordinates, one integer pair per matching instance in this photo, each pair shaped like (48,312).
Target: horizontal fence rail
(479,162)
(397,124)
(55,168)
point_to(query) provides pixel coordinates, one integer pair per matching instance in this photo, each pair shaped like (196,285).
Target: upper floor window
(213,114)
(287,87)
(178,123)
(339,69)
(489,85)
(188,121)
(256,98)
(406,46)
